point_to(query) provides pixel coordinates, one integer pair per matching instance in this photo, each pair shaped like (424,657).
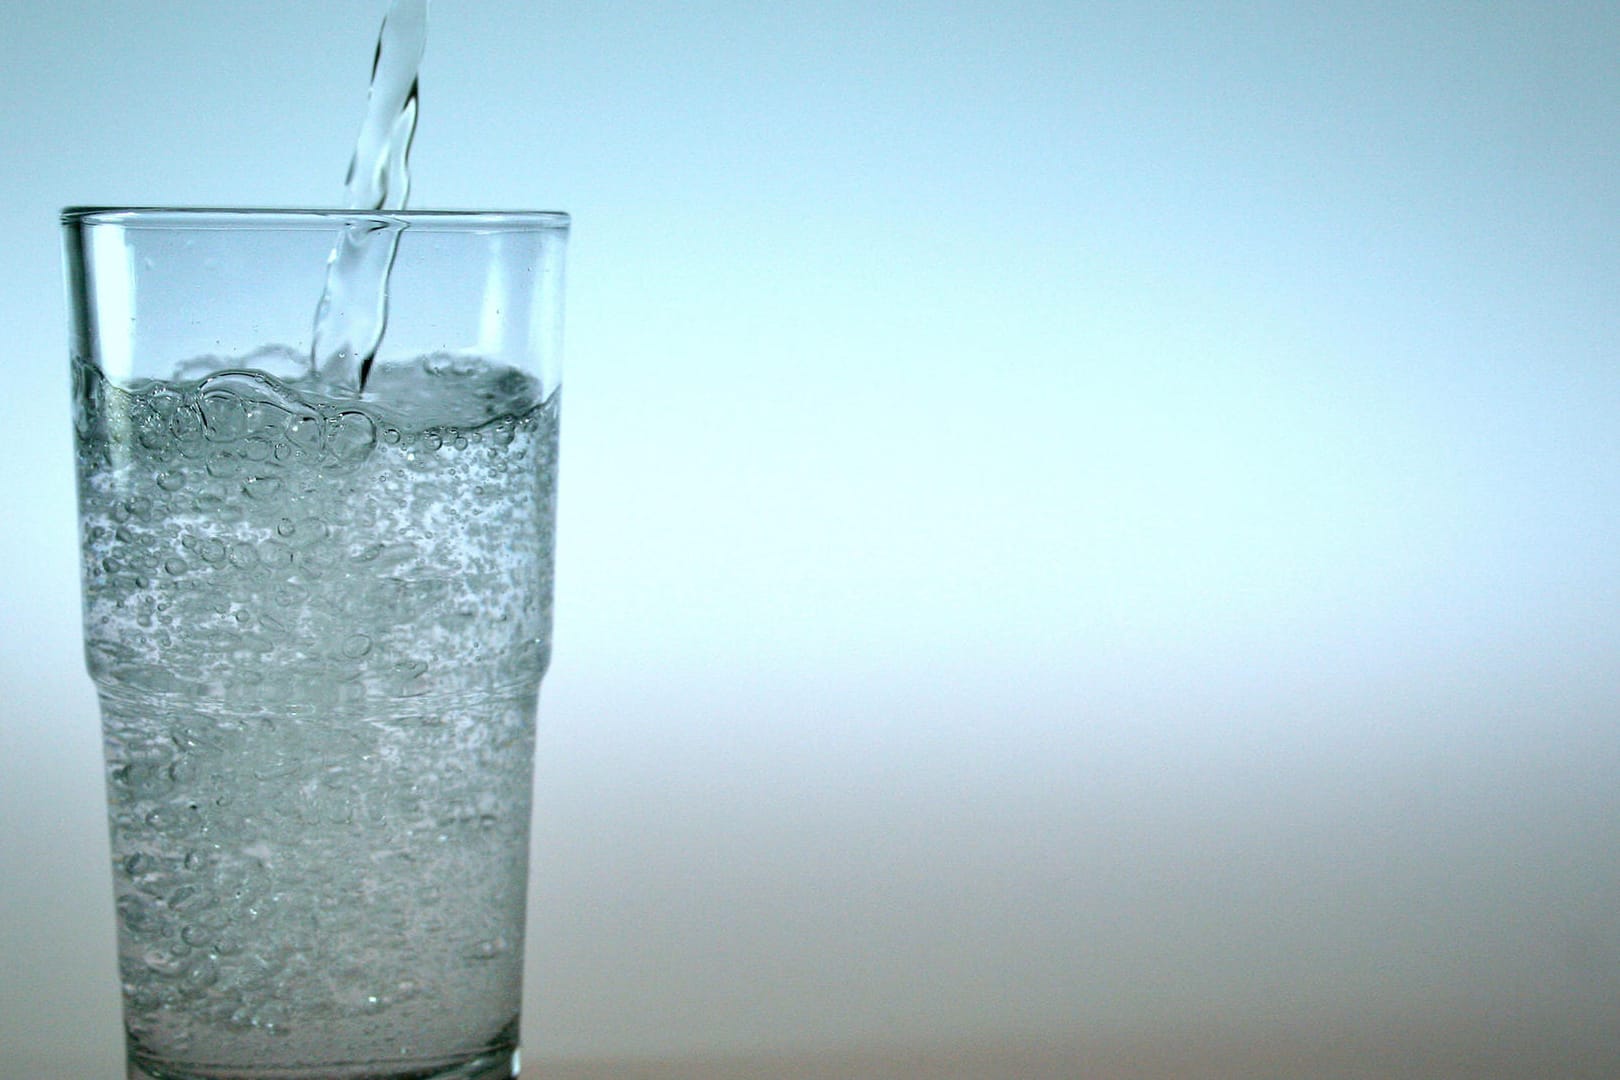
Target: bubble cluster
(318,628)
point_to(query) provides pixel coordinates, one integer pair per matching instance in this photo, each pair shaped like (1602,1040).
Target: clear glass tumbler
(317,616)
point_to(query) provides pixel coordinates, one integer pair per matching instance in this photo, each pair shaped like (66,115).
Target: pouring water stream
(353,311)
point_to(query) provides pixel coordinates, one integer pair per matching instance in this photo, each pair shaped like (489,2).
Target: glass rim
(221,217)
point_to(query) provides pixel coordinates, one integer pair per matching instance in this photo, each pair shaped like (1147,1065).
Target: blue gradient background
(1079,522)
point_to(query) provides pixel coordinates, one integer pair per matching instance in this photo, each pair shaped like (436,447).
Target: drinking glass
(317,615)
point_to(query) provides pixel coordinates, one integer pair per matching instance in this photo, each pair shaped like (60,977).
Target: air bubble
(353,436)
(163,964)
(141,863)
(148,778)
(204,972)
(261,487)
(488,949)
(163,402)
(274,553)
(187,896)
(257,971)
(315,559)
(208,500)
(306,434)
(289,595)
(271,1019)
(224,465)
(311,530)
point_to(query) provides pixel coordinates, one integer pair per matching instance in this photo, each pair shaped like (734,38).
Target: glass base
(497,1065)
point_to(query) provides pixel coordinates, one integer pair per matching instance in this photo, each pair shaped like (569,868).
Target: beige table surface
(1456,1052)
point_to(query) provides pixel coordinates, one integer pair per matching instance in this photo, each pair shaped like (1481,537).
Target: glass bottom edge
(494,1065)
